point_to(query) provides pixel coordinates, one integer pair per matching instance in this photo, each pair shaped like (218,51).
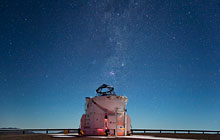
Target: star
(112,73)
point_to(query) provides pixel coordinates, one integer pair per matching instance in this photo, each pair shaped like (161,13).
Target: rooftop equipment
(106,114)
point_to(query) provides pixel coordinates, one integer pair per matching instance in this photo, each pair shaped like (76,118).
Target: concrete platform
(123,137)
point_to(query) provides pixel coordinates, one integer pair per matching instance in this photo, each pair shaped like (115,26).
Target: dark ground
(186,136)
(47,137)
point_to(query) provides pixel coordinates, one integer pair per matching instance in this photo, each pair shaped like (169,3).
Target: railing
(25,131)
(136,131)
(133,131)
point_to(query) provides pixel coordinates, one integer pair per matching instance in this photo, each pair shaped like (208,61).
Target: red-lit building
(106,114)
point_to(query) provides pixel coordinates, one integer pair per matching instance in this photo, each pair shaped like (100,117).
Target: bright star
(112,73)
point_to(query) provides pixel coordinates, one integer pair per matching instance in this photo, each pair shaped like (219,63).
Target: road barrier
(136,131)
(133,131)
(46,131)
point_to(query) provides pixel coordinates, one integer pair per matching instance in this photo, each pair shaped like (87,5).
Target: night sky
(163,55)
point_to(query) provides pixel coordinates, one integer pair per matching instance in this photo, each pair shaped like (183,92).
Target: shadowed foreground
(185,136)
(47,137)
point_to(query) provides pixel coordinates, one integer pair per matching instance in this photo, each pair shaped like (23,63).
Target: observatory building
(106,114)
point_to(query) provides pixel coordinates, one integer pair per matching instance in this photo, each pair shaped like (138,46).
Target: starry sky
(164,55)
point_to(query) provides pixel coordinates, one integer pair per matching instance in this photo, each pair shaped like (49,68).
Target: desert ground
(48,137)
